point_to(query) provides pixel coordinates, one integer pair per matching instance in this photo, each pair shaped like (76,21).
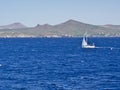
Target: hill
(70,28)
(112,26)
(13,26)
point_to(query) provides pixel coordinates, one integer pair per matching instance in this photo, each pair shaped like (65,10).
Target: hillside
(112,26)
(13,26)
(70,28)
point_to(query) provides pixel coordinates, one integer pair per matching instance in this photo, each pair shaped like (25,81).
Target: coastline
(60,37)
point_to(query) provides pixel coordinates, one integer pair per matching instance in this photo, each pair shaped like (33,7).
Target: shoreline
(68,37)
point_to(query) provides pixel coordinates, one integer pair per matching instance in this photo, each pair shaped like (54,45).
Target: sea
(59,64)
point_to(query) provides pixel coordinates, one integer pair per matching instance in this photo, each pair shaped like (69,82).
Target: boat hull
(88,46)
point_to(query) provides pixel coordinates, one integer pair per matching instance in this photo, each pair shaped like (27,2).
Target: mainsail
(84,43)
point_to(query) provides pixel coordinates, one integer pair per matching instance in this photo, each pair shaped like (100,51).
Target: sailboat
(85,44)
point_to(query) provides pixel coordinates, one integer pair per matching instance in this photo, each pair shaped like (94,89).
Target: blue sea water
(59,64)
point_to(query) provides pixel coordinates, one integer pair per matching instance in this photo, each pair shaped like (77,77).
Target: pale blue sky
(32,12)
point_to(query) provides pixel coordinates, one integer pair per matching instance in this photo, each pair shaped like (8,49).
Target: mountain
(13,26)
(70,28)
(76,28)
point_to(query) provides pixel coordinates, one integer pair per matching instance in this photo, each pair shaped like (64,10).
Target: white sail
(84,43)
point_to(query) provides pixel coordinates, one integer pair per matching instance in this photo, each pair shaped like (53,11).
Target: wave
(111,48)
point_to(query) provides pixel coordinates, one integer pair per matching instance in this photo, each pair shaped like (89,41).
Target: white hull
(88,46)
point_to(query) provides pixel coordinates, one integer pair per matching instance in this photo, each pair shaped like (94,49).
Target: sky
(33,12)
